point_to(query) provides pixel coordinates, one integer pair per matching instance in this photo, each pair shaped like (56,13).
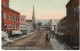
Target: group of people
(49,32)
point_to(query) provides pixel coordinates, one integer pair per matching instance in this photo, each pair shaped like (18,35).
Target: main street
(35,41)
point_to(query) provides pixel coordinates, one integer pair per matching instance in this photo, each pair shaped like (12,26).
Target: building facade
(29,26)
(23,24)
(69,25)
(10,18)
(73,23)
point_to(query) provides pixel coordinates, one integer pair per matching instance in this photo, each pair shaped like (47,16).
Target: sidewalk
(66,47)
(17,38)
(55,44)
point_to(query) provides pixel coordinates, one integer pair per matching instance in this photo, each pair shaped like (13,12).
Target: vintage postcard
(40,24)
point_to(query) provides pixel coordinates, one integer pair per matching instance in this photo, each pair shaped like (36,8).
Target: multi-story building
(29,26)
(69,25)
(10,18)
(23,24)
(73,23)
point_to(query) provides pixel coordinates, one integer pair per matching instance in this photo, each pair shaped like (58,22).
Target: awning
(16,32)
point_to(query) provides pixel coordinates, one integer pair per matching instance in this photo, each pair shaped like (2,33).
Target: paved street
(32,42)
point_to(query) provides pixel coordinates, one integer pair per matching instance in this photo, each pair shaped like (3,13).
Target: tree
(39,24)
(34,26)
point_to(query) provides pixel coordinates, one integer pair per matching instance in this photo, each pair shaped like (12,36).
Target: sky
(44,9)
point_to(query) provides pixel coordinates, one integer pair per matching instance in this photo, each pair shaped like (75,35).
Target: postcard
(40,24)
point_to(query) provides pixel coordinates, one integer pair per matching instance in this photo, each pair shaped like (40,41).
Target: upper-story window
(18,19)
(9,17)
(74,11)
(4,15)
(14,18)
(21,19)
(4,4)
(78,7)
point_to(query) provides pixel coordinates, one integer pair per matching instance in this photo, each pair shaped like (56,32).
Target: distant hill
(46,21)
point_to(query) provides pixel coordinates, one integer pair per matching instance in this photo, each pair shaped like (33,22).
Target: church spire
(33,16)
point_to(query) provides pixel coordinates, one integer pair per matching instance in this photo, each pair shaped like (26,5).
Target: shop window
(5,25)
(9,26)
(15,26)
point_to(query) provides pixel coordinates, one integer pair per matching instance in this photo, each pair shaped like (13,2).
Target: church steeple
(33,16)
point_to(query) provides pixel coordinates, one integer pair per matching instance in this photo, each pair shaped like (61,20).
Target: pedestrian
(53,34)
(47,37)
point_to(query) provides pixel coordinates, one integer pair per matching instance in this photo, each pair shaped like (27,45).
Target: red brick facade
(10,18)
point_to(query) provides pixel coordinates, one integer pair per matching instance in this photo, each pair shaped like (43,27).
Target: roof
(70,2)
(22,15)
(13,11)
(28,20)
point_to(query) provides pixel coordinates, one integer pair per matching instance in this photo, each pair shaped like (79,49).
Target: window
(77,11)
(9,17)
(21,19)
(15,26)
(77,26)
(9,26)
(4,4)
(12,26)
(74,11)
(5,25)
(18,19)
(14,18)
(4,15)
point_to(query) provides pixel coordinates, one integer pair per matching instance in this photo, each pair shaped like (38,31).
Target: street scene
(40,25)
(35,41)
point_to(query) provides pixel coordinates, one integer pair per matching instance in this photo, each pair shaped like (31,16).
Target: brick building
(69,25)
(10,18)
